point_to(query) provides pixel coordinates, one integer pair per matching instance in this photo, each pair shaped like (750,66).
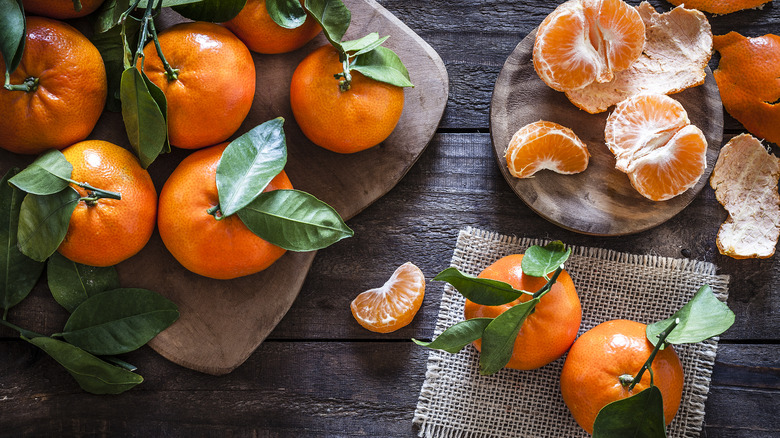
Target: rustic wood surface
(319,373)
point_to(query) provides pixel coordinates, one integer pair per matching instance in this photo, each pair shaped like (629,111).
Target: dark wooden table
(321,374)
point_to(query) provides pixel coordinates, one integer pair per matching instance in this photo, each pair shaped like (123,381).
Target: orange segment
(585,41)
(392,306)
(721,6)
(655,144)
(545,145)
(748,76)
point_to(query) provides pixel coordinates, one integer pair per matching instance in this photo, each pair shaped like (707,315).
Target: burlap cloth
(456,401)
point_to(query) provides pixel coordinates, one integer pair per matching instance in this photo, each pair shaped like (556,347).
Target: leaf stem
(24,332)
(95,193)
(171,73)
(30,84)
(548,286)
(77,5)
(215,211)
(646,367)
(144,34)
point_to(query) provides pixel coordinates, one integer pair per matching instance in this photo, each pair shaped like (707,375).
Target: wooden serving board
(600,200)
(223,321)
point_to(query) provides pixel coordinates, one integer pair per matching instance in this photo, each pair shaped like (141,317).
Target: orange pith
(720,6)
(70,93)
(655,144)
(586,41)
(394,305)
(590,376)
(545,145)
(221,249)
(548,332)
(261,34)
(748,77)
(342,121)
(110,230)
(215,86)
(60,9)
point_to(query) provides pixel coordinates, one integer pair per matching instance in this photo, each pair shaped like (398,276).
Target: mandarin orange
(60,9)
(261,34)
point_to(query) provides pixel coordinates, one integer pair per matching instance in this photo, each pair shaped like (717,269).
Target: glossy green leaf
(383,65)
(286,13)
(363,45)
(638,416)
(458,335)
(249,163)
(703,317)
(539,261)
(498,339)
(216,11)
(18,273)
(143,117)
(109,14)
(92,374)
(162,103)
(13,29)
(169,3)
(112,49)
(479,290)
(48,174)
(294,220)
(119,321)
(333,16)
(43,222)
(72,283)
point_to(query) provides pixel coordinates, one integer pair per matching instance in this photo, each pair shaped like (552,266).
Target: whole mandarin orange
(342,121)
(67,93)
(261,34)
(550,330)
(107,231)
(591,374)
(204,242)
(214,84)
(60,9)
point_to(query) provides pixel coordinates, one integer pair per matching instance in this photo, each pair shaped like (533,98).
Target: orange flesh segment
(394,305)
(545,145)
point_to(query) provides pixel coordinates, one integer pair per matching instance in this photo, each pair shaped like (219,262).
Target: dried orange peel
(545,145)
(721,7)
(677,49)
(745,181)
(748,77)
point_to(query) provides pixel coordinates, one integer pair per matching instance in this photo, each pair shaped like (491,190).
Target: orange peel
(745,181)
(748,76)
(721,7)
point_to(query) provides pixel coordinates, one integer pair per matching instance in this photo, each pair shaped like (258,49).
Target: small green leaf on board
(638,416)
(288,14)
(144,120)
(294,220)
(48,174)
(363,45)
(498,340)
(119,320)
(43,222)
(18,273)
(458,335)
(92,374)
(703,317)
(383,65)
(71,283)
(484,291)
(333,16)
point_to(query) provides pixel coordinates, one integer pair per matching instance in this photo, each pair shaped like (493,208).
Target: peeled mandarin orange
(394,305)
(655,144)
(545,145)
(586,41)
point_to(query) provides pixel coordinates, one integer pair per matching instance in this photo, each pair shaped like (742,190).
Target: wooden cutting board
(600,200)
(223,321)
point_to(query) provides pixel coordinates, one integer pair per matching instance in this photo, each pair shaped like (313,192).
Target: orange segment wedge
(545,145)
(655,144)
(586,41)
(394,305)
(721,6)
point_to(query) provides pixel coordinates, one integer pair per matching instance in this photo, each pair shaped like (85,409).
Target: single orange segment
(392,306)
(545,145)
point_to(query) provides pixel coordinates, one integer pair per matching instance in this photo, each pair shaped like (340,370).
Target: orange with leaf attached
(255,27)
(550,330)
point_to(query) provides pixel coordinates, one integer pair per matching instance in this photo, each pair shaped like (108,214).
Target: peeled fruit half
(545,145)
(655,144)
(585,41)
(392,306)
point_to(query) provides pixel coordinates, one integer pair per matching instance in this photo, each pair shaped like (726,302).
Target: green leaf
(539,261)
(703,317)
(479,290)
(71,283)
(638,416)
(162,103)
(107,17)
(249,163)
(18,273)
(47,175)
(294,220)
(383,65)
(43,222)
(458,336)
(333,16)
(286,13)
(363,45)
(13,29)
(498,340)
(111,47)
(92,374)
(119,321)
(216,11)
(144,120)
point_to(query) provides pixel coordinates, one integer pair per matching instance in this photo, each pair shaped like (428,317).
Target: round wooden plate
(600,200)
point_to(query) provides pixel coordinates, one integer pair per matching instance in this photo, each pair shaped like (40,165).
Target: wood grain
(600,200)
